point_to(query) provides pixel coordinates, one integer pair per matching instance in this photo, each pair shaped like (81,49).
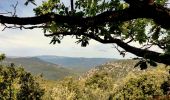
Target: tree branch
(158,13)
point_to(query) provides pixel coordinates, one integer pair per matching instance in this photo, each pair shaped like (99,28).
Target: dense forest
(115,80)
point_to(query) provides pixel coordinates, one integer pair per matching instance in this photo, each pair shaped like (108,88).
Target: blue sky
(33,42)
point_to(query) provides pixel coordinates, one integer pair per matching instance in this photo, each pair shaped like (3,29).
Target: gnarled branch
(158,13)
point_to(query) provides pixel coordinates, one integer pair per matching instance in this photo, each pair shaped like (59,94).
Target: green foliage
(143,86)
(2,57)
(17,84)
(93,7)
(82,8)
(29,89)
(72,89)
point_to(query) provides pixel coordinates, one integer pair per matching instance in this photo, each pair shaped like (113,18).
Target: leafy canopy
(106,21)
(141,30)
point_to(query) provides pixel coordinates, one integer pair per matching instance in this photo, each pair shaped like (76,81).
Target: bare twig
(15,9)
(23,27)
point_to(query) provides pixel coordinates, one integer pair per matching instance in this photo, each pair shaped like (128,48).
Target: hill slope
(116,69)
(35,65)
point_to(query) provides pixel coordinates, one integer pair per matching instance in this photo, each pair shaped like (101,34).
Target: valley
(56,67)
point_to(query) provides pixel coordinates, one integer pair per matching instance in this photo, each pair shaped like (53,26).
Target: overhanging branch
(158,13)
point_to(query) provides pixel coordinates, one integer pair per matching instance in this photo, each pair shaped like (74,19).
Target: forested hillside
(36,66)
(111,81)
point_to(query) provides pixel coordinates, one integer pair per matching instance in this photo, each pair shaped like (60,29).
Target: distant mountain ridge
(75,62)
(57,67)
(36,66)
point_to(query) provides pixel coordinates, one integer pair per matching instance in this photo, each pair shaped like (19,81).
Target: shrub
(16,83)
(143,86)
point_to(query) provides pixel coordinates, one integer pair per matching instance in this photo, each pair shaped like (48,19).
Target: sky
(15,42)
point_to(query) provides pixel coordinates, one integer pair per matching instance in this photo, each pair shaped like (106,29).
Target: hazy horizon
(63,56)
